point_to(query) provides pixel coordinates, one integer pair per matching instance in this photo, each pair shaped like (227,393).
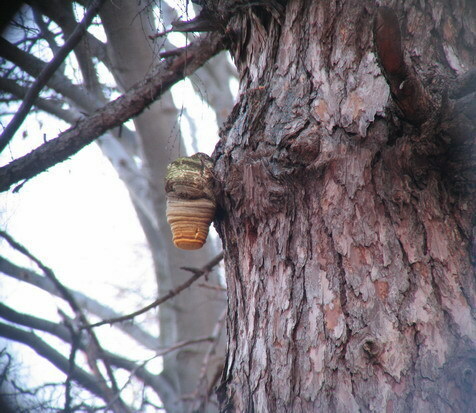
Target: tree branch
(204,22)
(45,32)
(86,380)
(94,307)
(96,349)
(112,146)
(59,82)
(75,343)
(60,13)
(48,106)
(158,383)
(197,273)
(111,115)
(42,79)
(406,88)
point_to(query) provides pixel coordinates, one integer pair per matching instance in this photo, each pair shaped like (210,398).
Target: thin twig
(197,273)
(85,380)
(160,34)
(47,72)
(184,343)
(158,383)
(213,287)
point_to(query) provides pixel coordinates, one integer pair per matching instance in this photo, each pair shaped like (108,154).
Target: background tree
(130,51)
(345,176)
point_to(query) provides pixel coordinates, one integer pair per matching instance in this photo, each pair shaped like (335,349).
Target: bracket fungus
(191,203)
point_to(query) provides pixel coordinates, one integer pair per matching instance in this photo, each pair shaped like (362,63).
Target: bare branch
(9,9)
(184,343)
(197,273)
(159,384)
(42,79)
(59,82)
(45,32)
(18,91)
(58,330)
(213,287)
(113,114)
(204,22)
(48,272)
(114,148)
(75,343)
(86,380)
(94,307)
(96,349)
(61,13)
(405,87)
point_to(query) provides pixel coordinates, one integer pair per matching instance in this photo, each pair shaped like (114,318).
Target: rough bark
(347,242)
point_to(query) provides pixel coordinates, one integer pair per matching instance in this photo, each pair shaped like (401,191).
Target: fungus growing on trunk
(190,201)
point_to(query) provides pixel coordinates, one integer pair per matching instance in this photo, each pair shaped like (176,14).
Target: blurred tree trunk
(345,226)
(195,312)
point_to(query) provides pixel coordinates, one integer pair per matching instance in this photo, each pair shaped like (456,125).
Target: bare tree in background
(131,53)
(345,177)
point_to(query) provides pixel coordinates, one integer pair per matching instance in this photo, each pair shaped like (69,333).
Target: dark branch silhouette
(47,72)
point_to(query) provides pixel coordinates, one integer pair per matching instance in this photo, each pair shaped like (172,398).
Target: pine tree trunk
(346,233)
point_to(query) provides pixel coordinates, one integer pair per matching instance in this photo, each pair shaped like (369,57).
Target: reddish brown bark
(347,242)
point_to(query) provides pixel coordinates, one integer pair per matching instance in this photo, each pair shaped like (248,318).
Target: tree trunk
(347,247)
